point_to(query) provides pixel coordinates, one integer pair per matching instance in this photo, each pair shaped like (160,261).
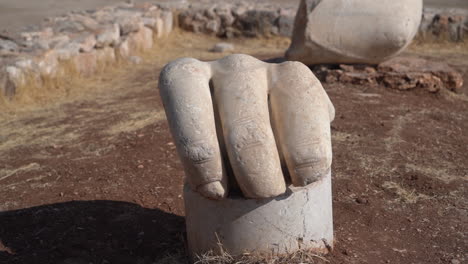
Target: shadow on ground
(89,232)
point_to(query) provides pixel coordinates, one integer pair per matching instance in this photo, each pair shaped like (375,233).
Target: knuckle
(199,153)
(182,68)
(311,162)
(247,133)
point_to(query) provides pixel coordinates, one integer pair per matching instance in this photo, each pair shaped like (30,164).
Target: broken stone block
(47,63)
(67,51)
(258,22)
(129,21)
(86,42)
(122,50)
(87,22)
(353,31)
(8,46)
(223,47)
(286,22)
(135,59)
(141,40)
(108,36)
(167,19)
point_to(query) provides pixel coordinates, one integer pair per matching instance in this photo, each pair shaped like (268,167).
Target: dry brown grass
(404,195)
(299,257)
(28,118)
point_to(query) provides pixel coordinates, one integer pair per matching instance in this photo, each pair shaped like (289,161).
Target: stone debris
(135,59)
(85,39)
(400,73)
(223,47)
(237,19)
(7,46)
(128,28)
(451,25)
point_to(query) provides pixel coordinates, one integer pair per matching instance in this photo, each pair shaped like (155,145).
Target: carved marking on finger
(248,133)
(199,152)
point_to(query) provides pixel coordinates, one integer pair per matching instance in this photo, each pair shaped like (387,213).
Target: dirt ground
(89,173)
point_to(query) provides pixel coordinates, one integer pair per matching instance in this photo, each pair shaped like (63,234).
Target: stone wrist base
(299,219)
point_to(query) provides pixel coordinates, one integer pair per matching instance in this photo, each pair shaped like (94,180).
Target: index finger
(184,88)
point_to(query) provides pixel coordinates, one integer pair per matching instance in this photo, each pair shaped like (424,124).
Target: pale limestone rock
(135,59)
(58,40)
(67,51)
(167,18)
(149,22)
(47,63)
(122,50)
(286,22)
(223,47)
(87,22)
(159,28)
(86,42)
(129,21)
(108,36)
(299,219)
(141,40)
(353,31)
(301,113)
(8,46)
(44,34)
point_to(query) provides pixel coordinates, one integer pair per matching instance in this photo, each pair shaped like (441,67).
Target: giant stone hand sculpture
(240,123)
(266,111)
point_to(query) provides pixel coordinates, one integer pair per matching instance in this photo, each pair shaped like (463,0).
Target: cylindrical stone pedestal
(299,219)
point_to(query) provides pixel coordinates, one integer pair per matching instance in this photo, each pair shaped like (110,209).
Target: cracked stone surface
(299,219)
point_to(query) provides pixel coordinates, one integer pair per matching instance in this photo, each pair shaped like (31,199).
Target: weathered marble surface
(256,113)
(353,31)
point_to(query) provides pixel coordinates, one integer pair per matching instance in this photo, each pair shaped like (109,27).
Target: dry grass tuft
(300,257)
(404,195)
(5,173)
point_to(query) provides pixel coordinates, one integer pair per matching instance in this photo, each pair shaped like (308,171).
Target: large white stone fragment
(299,219)
(353,31)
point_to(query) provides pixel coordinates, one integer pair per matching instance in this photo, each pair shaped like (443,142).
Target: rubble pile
(400,73)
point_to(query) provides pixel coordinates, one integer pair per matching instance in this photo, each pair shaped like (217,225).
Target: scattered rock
(135,59)
(141,40)
(7,46)
(108,36)
(286,21)
(129,21)
(223,47)
(401,73)
(67,51)
(86,42)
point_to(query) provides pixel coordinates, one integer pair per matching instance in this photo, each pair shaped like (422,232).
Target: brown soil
(94,177)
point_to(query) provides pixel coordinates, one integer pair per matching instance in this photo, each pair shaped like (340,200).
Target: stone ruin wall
(86,39)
